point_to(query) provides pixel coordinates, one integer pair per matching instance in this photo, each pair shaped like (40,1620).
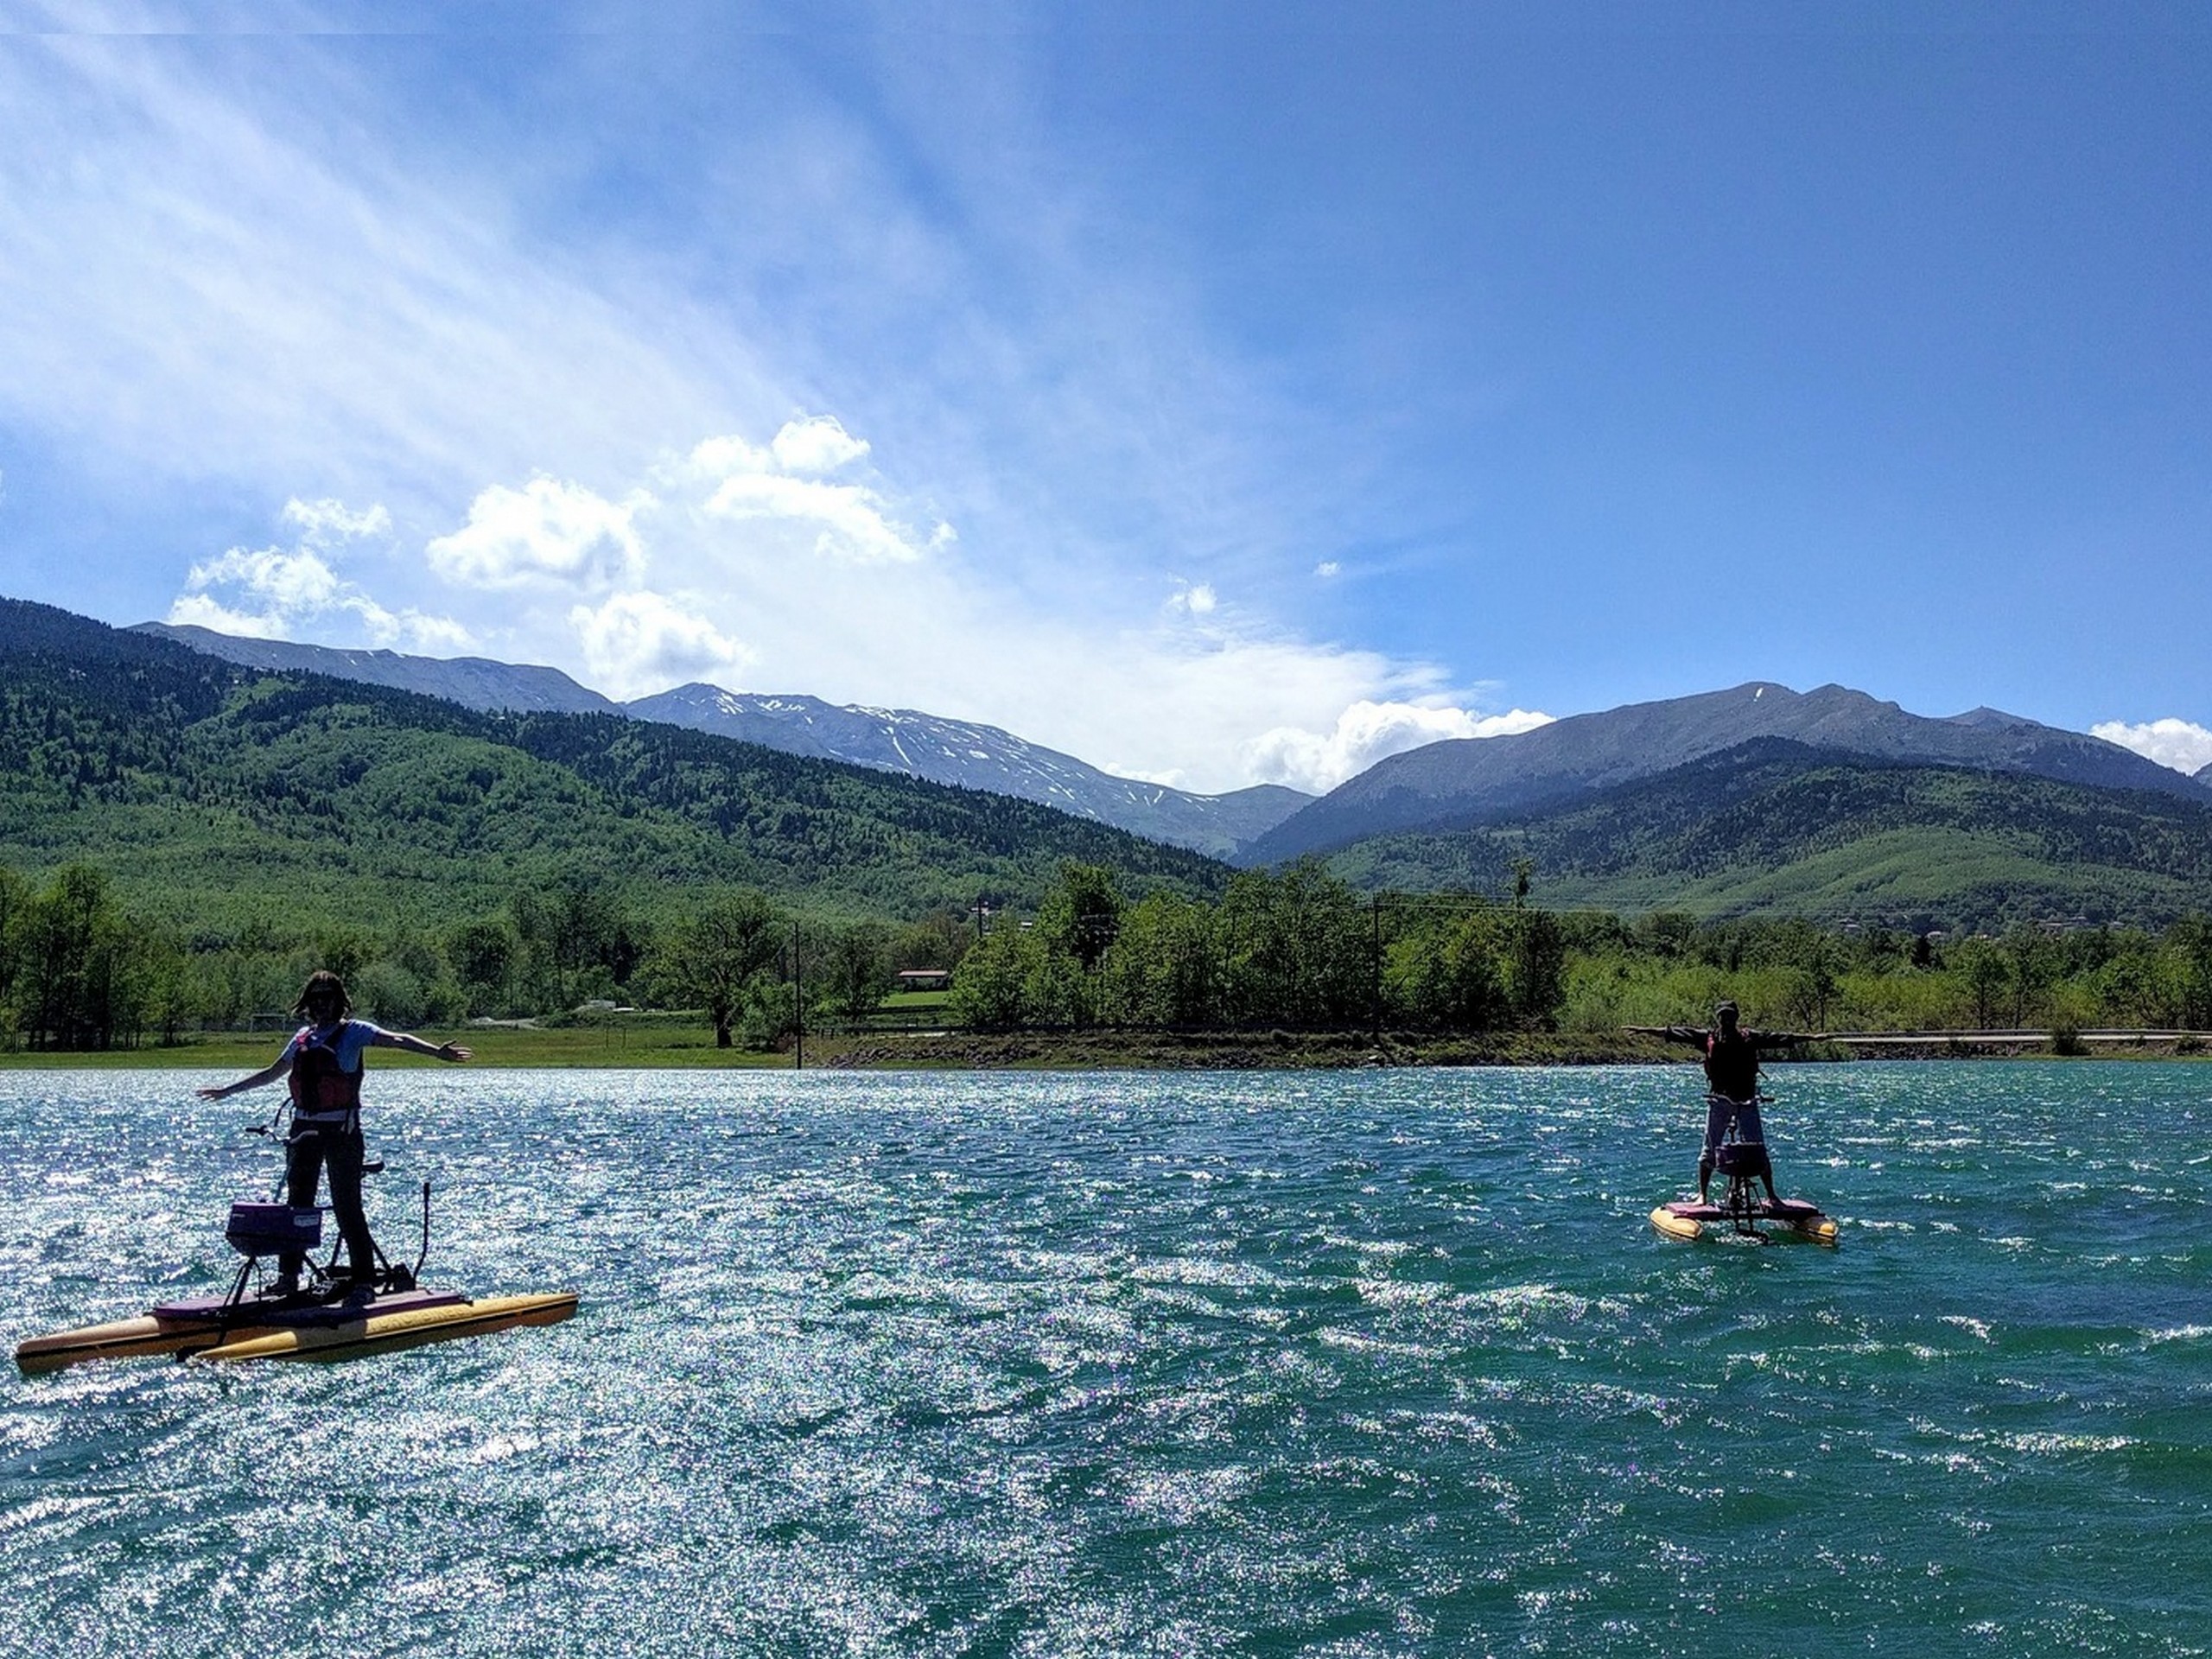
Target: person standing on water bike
(323,1063)
(1732,1077)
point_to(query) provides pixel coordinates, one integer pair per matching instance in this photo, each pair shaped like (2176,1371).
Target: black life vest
(1732,1068)
(323,1092)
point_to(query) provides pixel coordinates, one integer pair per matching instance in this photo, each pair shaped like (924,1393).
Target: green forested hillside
(1776,826)
(223,798)
(180,840)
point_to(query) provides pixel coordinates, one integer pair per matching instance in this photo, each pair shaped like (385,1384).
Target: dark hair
(1724,1009)
(323,986)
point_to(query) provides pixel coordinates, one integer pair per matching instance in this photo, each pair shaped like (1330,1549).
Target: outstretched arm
(1689,1034)
(1786,1039)
(414,1044)
(277,1068)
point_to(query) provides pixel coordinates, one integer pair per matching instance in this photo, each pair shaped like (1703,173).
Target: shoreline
(601,1047)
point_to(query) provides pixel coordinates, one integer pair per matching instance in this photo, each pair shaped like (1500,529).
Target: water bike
(329,1316)
(1742,1211)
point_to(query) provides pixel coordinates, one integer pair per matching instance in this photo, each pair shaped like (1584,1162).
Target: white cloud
(276,593)
(1197,599)
(725,456)
(732,586)
(763,486)
(297,285)
(547,531)
(733,581)
(328,520)
(290,583)
(1368,732)
(716,573)
(426,635)
(848,521)
(1328,569)
(2181,744)
(642,642)
(199,611)
(818,444)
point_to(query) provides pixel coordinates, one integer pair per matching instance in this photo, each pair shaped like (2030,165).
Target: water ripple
(1386,1363)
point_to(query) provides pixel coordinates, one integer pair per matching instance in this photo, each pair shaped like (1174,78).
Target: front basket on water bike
(1742,1161)
(257,1230)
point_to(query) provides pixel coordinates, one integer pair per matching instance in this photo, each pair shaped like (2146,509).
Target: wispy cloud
(283,592)
(1195,599)
(237,280)
(2181,744)
(831,588)
(322,522)
(1015,434)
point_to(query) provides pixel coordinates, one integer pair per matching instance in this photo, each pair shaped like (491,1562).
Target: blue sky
(1223,393)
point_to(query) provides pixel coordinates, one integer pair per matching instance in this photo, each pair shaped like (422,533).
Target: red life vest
(322,1090)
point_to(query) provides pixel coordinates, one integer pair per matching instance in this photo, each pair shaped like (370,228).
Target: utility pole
(798,1005)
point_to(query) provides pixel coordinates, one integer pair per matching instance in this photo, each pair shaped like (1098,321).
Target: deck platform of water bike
(1688,1217)
(216,1328)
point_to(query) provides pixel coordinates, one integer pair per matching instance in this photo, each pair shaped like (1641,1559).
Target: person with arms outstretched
(323,1064)
(1732,1076)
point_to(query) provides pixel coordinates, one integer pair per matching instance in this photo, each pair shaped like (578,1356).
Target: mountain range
(930,746)
(1465,782)
(1827,803)
(976,756)
(1773,826)
(239,801)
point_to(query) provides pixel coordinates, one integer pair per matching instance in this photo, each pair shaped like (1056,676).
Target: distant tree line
(1296,949)
(1299,949)
(80,971)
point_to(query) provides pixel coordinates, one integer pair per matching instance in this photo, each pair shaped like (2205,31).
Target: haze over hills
(1463,782)
(919,745)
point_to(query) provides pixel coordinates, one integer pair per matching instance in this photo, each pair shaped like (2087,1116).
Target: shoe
(286,1286)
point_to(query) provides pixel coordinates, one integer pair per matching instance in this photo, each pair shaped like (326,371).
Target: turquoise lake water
(1382,1362)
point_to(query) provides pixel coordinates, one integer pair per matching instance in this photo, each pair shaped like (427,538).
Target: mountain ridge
(1460,782)
(484,684)
(974,756)
(934,747)
(204,780)
(1774,824)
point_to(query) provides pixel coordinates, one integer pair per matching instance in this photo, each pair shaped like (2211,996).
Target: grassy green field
(233,1053)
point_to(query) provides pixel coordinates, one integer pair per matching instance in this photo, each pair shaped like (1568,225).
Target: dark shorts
(1720,1112)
